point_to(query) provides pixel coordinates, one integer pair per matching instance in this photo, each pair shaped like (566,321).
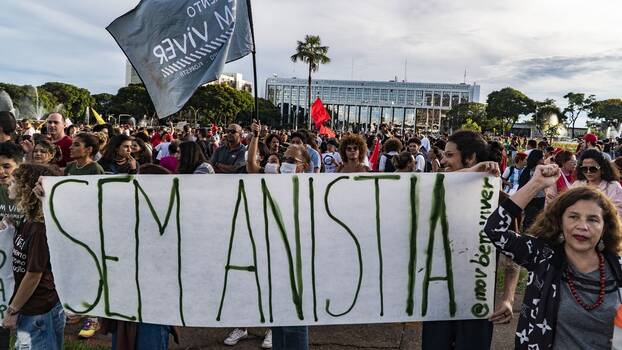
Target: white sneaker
(236,335)
(267,340)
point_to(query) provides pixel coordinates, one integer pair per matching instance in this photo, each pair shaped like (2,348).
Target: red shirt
(64,145)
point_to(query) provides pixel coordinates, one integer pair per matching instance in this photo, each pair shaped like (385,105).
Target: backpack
(428,164)
(388,165)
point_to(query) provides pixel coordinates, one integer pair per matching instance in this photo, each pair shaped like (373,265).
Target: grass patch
(80,345)
(522,280)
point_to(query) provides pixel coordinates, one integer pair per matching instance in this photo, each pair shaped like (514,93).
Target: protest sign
(7,281)
(177,46)
(253,250)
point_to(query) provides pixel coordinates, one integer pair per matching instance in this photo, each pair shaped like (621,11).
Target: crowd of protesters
(558,218)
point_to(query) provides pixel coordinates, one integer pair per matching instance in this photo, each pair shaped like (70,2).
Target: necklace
(82,167)
(601,290)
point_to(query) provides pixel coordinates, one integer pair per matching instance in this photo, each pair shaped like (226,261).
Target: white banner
(253,250)
(7,281)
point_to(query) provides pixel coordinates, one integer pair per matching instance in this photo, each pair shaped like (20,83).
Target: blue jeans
(148,337)
(290,338)
(41,332)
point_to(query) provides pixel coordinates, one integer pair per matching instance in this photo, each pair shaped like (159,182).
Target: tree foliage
(471,125)
(29,101)
(506,105)
(133,100)
(103,103)
(607,110)
(269,114)
(459,114)
(72,99)
(542,118)
(219,103)
(577,105)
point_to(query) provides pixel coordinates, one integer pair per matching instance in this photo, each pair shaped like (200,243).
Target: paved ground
(368,337)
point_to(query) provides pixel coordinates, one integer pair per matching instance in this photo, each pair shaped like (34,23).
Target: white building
(131,77)
(234,80)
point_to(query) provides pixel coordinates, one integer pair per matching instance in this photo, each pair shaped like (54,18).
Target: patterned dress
(545,265)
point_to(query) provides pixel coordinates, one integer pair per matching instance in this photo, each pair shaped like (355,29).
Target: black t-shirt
(31,254)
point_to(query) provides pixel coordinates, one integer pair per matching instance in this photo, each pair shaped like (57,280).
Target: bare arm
(251,163)
(25,289)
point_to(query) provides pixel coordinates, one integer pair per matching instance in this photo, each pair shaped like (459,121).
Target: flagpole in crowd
(254,54)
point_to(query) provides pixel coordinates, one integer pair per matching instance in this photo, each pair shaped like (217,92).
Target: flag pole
(254,54)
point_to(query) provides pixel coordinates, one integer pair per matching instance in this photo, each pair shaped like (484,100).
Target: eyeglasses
(590,169)
(232,131)
(352,149)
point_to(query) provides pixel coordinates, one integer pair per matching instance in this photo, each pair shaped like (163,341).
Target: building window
(428,98)
(446,99)
(455,99)
(437,99)
(464,97)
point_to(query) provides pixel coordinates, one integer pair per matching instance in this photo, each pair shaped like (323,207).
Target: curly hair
(26,177)
(393,145)
(607,172)
(548,224)
(353,139)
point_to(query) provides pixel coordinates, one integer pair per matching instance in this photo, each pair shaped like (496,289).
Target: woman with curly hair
(353,151)
(46,153)
(35,310)
(571,252)
(595,171)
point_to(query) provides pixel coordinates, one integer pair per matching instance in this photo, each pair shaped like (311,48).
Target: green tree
(311,52)
(219,103)
(459,114)
(507,104)
(103,103)
(607,110)
(545,110)
(577,105)
(471,125)
(29,101)
(269,114)
(73,99)
(133,100)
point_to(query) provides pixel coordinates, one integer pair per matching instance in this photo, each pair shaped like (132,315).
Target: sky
(543,48)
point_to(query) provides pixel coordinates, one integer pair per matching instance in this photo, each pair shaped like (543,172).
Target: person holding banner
(296,160)
(35,310)
(467,151)
(11,156)
(572,255)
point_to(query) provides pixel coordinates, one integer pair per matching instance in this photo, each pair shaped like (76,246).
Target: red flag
(327,131)
(319,114)
(375,156)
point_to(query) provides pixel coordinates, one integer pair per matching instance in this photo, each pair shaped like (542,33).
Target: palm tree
(311,52)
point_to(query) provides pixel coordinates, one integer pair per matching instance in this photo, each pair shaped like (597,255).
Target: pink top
(170,163)
(612,189)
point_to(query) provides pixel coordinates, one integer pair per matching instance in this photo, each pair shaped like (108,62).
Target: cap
(591,138)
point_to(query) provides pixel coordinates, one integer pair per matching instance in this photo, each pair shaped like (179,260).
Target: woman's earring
(601,245)
(561,238)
